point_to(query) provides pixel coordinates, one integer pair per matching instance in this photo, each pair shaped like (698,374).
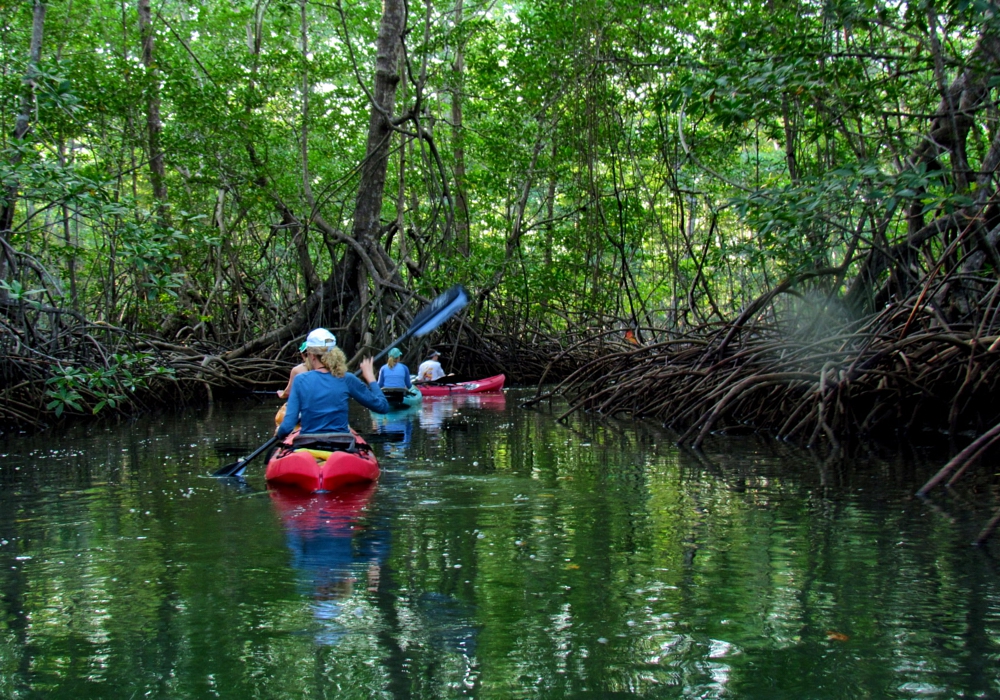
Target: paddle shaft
(396,342)
(430,317)
(239,466)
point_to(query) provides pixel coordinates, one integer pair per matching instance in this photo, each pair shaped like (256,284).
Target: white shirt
(429,370)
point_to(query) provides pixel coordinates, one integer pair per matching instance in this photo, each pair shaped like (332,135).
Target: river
(503,554)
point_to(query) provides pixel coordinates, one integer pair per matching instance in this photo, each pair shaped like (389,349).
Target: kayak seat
(318,455)
(394,395)
(326,442)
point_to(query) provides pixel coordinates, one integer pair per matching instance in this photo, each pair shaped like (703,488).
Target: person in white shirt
(430,369)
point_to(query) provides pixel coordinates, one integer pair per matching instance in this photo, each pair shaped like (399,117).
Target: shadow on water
(502,554)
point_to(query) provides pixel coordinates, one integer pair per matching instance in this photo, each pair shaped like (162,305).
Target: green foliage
(15,291)
(656,160)
(64,392)
(95,389)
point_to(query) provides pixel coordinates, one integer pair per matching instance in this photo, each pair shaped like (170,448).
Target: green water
(502,555)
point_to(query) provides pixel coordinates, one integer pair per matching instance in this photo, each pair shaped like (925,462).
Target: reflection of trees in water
(452,632)
(594,555)
(340,548)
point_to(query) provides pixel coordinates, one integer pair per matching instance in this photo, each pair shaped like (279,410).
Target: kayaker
(394,374)
(430,369)
(319,398)
(296,371)
(283,393)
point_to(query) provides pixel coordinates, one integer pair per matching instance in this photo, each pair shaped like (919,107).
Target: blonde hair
(393,361)
(334,360)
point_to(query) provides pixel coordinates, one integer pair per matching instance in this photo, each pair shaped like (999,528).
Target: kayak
(402,399)
(477,386)
(322,462)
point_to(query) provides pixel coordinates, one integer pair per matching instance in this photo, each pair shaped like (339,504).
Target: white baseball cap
(321,338)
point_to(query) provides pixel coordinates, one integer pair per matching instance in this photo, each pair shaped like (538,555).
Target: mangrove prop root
(988,530)
(86,369)
(902,372)
(52,371)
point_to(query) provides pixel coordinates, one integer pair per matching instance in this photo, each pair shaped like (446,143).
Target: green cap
(302,348)
(395,352)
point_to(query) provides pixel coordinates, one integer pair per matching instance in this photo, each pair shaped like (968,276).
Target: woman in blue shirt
(319,397)
(394,375)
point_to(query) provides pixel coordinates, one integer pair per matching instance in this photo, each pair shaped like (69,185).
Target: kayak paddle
(390,436)
(237,467)
(433,315)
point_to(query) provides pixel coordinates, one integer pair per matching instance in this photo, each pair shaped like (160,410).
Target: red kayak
(322,462)
(474,387)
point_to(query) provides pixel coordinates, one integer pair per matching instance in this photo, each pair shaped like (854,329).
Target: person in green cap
(283,393)
(394,375)
(296,371)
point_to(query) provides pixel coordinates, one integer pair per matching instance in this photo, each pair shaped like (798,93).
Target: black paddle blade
(230,469)
(238,484)
(390,436)
(237,467)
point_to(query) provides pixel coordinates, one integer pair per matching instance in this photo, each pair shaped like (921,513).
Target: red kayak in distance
(326,464)
(478,386)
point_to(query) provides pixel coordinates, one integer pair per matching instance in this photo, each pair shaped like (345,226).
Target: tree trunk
(368,206)
(68,241)
(458,78)
(948,132)
(154,127)
(21,129)
(349,282)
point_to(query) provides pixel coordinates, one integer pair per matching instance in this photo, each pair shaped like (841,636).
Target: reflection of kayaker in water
(320,397)
(433,413)
(332,550)
(394,423)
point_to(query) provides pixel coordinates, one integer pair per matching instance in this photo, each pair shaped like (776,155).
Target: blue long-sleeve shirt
(319,401)
(394,377)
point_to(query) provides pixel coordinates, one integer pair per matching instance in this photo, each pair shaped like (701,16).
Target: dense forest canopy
(233,173)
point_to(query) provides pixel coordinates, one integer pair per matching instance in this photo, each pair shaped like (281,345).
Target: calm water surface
(502,555)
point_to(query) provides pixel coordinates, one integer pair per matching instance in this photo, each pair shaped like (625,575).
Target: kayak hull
(494,383)
(402,399)
(304,470)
